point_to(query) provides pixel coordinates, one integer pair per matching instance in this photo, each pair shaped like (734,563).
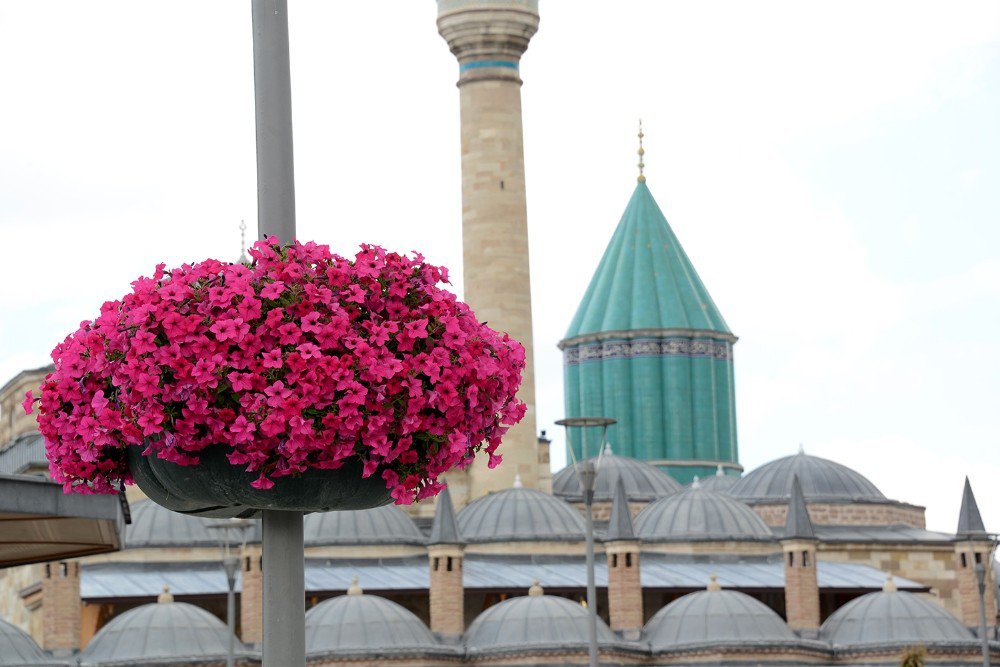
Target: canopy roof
(645,280)
(39,523)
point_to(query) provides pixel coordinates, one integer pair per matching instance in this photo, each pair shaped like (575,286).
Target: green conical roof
(645,280)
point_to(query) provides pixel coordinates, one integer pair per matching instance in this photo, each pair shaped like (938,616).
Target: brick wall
(624,590)
(61,606)
(801,586)
(447,594)
(252,597)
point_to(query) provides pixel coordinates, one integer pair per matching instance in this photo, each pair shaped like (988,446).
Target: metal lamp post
(282,538)
(231,563)
(586,472)
(981,580)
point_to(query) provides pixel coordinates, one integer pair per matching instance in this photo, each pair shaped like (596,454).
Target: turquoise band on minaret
(478,64)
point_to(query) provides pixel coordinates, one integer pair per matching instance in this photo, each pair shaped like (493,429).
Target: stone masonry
(252,597)
(624,590)
(967,554)
(488,38)
(61,607)
(801,585)
(447,596)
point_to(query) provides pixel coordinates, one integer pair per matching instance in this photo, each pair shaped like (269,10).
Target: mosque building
(801,561)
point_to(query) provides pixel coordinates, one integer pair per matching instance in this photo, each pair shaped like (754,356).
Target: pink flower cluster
(303,359)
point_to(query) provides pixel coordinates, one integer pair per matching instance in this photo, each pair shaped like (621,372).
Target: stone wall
(13,421)
(847,514)
(933,565)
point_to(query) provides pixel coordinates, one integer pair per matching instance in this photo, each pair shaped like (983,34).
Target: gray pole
(588,500)
(284,640)
(273,103)
(981,580)
(284,590)
(231,563)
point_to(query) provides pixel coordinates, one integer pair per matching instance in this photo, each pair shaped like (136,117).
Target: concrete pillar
(61,607)
(447,590)
(801,586)
(251,596)
(488,37)
(967,554)
(624,589)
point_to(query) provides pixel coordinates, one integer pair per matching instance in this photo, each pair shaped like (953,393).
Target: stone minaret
(801,584)
(624,587)
(488,38)
(447,591)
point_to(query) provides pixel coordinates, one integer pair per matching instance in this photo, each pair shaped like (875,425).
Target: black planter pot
(216,488)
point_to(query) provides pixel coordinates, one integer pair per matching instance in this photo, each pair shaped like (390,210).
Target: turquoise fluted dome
(649,347)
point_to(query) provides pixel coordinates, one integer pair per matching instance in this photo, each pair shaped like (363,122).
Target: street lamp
(228,530)
(586,472)
(982,561)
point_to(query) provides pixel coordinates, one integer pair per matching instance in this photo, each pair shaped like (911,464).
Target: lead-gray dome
(382,525)
(18,649)
(714,616)
(360,623)
(519,514)
(699,515)
(156,633)
(890,617)
(156,526)
(821,480)
(643,482)
(534,621)
(718,483)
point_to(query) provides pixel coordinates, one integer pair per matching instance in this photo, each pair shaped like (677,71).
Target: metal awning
(39,523)
(141,580)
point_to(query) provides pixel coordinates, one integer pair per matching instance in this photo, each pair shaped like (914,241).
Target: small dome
(534,621)
(821,480)
(718,483)
(358,623)
(712,616)
(520,514)
(643,482)
(892,616)
(383,525)
(156,526)
(698,515)
(158,632)
(18,649)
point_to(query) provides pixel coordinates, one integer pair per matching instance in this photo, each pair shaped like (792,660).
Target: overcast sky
(832,170)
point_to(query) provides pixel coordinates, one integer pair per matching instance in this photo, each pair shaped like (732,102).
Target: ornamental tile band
(648,347)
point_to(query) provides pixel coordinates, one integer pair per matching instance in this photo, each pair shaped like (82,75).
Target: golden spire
(642,165)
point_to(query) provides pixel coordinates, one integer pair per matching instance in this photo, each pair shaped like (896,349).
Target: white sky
(831,168)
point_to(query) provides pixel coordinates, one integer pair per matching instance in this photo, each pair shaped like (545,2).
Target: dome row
(673,513)
(356,624)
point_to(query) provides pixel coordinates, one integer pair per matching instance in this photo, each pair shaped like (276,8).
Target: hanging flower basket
(302,381)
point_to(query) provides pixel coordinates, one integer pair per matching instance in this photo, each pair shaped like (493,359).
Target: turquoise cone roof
(645,280)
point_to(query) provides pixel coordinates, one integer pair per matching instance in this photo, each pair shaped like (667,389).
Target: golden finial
(713,584)
(536,589)
(165,597)
(355,587)
(642,165)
